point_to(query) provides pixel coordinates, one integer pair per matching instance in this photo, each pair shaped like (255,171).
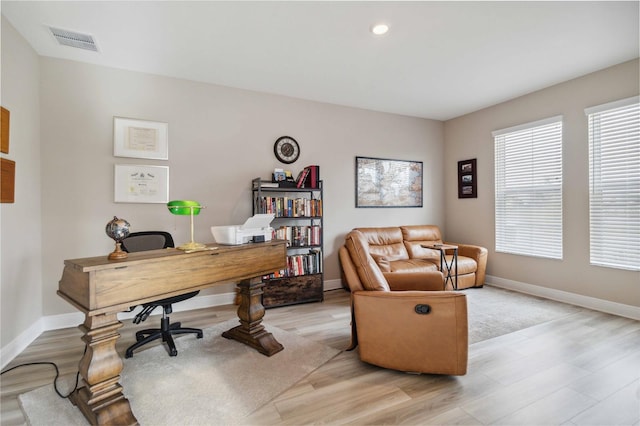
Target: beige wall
(472,220)
(219,139)
(21,231)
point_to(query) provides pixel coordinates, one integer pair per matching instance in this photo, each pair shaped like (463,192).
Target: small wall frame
(140,139)
(141,184)
(467,179)
(5,116)
(8,179)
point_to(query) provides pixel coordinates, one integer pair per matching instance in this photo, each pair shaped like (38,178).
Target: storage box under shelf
(292,290)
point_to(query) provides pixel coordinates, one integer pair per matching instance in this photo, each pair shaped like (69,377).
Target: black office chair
(152,240)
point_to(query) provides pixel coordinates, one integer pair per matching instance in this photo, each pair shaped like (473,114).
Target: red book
(302,177)
(313,179)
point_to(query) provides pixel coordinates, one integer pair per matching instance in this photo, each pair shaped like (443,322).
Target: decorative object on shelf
(141,184)
(183,208)
(467,184)
(388,183)
(286,149)
(140,139)
(278,175)
(117,229)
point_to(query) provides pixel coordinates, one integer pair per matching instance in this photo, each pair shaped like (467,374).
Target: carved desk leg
(101,399)
(250,331)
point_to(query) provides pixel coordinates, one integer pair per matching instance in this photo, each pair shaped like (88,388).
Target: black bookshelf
(298,220)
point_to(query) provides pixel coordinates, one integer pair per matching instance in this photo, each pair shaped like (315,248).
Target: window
(614,184)
(528,168)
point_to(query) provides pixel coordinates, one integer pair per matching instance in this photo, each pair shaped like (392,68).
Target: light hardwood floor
(582,369)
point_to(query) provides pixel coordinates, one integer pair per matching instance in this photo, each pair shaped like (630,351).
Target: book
(302,177)
(313,177)
(269,184)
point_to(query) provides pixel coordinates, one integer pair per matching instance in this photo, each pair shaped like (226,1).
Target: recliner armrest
(421,281)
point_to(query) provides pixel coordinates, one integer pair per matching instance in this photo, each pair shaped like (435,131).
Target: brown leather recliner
(403,321)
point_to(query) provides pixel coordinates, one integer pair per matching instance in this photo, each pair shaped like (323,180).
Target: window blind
(528,179)
(614,184)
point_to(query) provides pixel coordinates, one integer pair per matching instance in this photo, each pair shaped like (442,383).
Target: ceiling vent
(74,39)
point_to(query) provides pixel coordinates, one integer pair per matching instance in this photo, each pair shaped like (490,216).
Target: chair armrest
(392,334)
(422,281)
(470,250)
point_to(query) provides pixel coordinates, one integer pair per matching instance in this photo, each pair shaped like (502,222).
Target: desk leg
(250,331)
(101,399)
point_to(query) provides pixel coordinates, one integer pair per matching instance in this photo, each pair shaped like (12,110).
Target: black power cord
(55,380)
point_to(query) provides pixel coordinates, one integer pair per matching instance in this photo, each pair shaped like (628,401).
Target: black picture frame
(382,182)
(467,179)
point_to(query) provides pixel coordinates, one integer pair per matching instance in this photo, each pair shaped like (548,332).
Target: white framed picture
(141,184)
(140,139)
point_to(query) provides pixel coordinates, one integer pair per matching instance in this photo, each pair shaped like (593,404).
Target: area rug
(493,312)
(222,387)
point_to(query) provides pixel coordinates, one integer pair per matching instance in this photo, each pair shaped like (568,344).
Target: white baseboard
(56,322)
(332,285)
(20,343)
(601,305)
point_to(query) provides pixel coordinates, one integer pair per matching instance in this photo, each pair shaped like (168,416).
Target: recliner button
(422,309)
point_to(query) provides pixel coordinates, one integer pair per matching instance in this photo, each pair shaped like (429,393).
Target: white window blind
(614,184)
(528,179)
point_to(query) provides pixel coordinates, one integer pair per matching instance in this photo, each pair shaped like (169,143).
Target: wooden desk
(101,288)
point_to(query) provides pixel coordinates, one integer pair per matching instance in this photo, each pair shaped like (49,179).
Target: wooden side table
(447,268)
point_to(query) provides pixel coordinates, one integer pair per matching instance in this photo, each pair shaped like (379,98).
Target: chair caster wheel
(199,335)
(173,352)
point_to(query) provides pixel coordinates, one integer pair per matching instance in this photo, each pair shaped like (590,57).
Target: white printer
(256,229)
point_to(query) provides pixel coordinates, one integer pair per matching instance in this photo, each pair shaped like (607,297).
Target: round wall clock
(286,149)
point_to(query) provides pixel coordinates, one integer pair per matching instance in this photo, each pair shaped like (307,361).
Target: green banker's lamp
(183,208)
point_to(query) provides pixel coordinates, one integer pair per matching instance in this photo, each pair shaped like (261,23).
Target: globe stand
(118,253)
(117,230)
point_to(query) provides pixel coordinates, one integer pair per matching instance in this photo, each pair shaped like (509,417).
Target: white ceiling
(439,60)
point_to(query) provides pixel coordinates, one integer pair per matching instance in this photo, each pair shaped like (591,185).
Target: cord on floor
(55,380)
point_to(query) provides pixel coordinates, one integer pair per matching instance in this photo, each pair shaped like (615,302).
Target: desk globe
(118,230)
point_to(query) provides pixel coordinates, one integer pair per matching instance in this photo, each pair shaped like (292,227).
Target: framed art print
(140,139)
(388,183)
(467,181)
(141,184)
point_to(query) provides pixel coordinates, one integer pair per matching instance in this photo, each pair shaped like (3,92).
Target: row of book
(289,207)
(300,264)
(298,236)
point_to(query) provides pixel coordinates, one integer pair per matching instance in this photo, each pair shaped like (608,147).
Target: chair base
(166,333)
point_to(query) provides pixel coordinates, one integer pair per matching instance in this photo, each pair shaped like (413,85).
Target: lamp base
(192,246)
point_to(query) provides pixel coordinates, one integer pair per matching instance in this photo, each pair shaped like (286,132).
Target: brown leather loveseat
(399,249)
(403,321)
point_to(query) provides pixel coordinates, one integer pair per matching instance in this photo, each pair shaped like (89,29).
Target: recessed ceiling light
(380,29)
